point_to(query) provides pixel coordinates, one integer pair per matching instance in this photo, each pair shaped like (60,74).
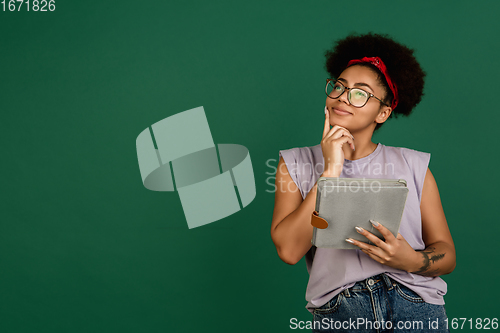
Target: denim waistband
(372,283)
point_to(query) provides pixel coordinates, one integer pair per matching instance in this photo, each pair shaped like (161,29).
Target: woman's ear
(383,114)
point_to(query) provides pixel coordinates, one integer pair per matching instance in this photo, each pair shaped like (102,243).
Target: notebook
(344,203)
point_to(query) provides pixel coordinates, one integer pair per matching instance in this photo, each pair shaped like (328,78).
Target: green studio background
(84,247)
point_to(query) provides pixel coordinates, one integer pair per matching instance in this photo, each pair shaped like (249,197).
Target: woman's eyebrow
(358,84)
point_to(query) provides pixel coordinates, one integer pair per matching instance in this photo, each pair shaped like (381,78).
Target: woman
(393,284)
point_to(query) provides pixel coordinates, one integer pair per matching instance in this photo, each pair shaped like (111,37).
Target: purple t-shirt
(333,270)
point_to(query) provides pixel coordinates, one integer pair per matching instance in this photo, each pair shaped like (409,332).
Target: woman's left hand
(394,252)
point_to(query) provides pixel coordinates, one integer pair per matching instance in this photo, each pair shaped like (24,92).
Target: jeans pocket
(331,306)
(408,294)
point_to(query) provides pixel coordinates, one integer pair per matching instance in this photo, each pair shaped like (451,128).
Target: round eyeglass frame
(349,95)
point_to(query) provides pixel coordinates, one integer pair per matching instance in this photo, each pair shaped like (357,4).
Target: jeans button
(370,282)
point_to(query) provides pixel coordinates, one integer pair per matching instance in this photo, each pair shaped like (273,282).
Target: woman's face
(342,113)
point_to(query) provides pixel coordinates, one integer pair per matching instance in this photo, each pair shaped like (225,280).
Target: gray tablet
(344,203)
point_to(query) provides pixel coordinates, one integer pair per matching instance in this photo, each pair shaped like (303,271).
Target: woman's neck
(364,147)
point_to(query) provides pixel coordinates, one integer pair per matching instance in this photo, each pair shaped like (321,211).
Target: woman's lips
(341,112)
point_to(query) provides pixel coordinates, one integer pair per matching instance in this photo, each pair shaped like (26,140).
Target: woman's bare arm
(439,256)
(291,229)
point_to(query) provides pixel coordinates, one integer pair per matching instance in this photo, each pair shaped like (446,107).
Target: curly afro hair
(402,67)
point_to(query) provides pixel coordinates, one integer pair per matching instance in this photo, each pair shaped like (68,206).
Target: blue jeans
(379,304)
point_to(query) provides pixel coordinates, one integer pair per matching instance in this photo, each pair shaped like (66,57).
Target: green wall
(84,247)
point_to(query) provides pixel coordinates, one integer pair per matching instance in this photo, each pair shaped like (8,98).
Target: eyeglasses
(356,97)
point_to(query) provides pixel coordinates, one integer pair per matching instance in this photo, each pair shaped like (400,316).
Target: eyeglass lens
(356,97)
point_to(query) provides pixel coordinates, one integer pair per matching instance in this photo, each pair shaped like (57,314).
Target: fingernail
(375,224)
(349,240)
(326,110)
(359,229)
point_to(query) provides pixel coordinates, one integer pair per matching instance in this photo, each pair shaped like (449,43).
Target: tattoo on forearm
(429,257)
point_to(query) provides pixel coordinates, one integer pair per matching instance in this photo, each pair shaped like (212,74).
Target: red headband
(377,62)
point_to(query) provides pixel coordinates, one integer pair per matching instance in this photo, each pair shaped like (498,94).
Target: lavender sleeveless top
(332,270)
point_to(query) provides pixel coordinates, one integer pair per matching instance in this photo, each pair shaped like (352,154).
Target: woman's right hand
(331,145)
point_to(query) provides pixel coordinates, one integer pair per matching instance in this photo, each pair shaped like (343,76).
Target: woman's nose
(343,97)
